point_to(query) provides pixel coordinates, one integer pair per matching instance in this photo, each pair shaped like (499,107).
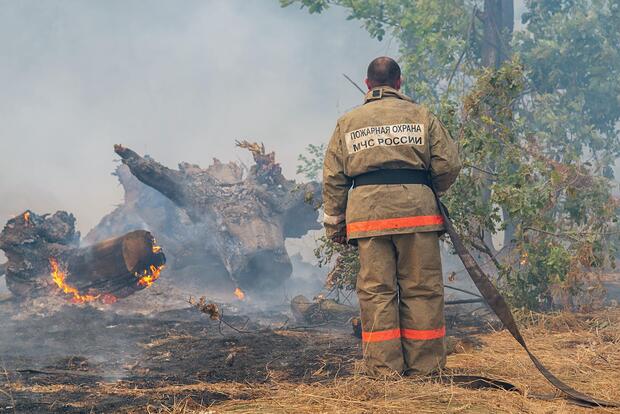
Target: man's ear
(368,84)
(399,83)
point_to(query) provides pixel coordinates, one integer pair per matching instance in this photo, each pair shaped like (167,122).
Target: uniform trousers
(401,297)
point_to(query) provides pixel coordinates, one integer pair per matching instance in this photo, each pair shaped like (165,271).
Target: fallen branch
(215,314)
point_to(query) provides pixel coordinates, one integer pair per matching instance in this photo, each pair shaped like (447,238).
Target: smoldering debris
(29,241)
(223,227)
(44,256)
(321,310)
(210,309)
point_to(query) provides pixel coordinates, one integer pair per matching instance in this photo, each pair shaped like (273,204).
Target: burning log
(43,254)
(117,267)
(216,222)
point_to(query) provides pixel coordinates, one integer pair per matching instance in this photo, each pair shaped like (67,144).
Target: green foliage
(538,135)
(572,52)
(344,261)
(311,163)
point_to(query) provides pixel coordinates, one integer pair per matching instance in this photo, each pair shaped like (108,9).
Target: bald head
(383,71)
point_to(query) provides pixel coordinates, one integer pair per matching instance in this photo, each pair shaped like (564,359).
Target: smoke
(179,81)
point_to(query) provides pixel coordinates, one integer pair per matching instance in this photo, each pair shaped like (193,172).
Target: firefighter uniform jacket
(389,131)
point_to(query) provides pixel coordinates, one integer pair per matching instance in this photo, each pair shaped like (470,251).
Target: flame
(239,294)
(149,276)
(59,276)
(26,217)
(156,248)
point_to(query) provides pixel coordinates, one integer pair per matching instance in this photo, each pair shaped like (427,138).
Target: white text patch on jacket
(384,136)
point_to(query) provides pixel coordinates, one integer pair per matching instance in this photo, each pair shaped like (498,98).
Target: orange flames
(59,275)
(150,275)
(26,217)
(239,294)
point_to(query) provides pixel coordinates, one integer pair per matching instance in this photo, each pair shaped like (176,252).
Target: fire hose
(498,304)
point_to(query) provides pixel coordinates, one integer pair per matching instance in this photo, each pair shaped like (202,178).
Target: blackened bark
(239,223)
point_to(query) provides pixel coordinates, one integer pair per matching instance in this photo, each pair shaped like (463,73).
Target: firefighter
(377,193)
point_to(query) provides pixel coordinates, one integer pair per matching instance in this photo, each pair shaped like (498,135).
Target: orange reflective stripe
(394,223)
(379,336)
(423,335)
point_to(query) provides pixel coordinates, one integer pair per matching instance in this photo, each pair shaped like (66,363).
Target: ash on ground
(62,355)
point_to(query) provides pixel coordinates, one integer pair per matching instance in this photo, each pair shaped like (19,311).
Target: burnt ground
(83,359)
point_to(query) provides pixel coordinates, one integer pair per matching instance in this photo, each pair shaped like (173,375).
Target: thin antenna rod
(354,84)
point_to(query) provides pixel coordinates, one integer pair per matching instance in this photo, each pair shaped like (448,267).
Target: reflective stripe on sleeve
(394,223)
(379,336)
(333,220)
(423,335)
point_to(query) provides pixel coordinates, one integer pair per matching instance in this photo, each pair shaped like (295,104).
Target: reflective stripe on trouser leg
(421,301)
(378,297)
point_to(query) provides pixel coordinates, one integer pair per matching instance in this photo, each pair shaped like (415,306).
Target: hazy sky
(177,80)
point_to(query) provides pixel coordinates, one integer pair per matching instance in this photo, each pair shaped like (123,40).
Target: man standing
(377,191)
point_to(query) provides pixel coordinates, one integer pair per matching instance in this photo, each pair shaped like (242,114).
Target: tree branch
(155,175)
(558,235)
(484,248)
(479,169)
(465,48)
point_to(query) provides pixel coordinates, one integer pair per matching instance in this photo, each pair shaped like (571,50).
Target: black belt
(396,176)
(393,176)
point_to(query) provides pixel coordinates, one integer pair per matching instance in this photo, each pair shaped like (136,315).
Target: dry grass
(583,350)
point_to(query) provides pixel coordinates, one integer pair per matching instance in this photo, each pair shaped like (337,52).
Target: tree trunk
(498,26)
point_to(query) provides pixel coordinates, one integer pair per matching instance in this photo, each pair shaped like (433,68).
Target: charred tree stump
(227,225)
(44,256)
